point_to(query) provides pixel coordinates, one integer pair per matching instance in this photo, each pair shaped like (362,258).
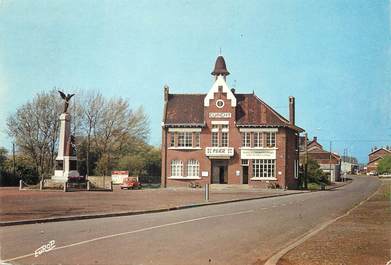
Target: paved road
(236,233)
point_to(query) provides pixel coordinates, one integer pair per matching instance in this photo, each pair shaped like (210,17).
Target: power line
(355,140)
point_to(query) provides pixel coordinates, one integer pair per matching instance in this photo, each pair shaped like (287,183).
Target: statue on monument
(71,145)
(66,160)
(66,99)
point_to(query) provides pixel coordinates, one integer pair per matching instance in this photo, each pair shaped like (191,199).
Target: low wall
(100,183)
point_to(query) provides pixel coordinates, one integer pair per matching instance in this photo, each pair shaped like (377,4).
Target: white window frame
(176,168)
(244,162)
(224,139)
(270,139)
(215,139)
(197,139)
(185,139)
(172,139)
(296,168)
(193,169)
(258,139)
(264,169)
(246,139)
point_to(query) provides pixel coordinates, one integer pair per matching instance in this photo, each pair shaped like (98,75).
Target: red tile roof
(380,149)
(251,111)
(324,156)
(185,109)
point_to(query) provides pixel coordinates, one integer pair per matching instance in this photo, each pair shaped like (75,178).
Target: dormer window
(185,139)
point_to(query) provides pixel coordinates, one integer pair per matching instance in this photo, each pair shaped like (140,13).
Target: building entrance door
(245,174)
(219,171)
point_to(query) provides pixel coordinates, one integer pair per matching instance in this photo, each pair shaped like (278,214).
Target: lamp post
(305,161)
(13,160)
(330,162)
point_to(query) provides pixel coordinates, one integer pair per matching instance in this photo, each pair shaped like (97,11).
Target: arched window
(193,168)
(176,168)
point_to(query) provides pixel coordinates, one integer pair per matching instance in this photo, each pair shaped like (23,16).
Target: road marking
(273,260)
(133,232)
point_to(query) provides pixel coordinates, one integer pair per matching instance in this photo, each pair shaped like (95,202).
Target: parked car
(372,173)
(131,183)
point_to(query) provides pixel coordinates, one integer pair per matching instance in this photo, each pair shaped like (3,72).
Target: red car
(131,183)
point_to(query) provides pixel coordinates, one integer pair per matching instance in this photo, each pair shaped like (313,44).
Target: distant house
(328,162)
(349,164)
(375,157)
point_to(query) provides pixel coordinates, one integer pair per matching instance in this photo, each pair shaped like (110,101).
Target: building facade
(329,162)
(375,157)
(224,137)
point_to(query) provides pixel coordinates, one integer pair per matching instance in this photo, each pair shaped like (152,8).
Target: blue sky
(333,56)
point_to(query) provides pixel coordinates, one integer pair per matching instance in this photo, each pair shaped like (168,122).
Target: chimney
(292,110)
(233,90)
(166,92)
(315,139)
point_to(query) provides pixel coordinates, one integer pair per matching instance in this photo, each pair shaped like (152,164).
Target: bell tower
(220,68)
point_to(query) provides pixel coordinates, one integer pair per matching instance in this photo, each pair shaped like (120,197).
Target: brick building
(228,138)
(328,161)
(375,156)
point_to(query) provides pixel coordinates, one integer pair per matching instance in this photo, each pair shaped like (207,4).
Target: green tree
(135,164)
(315,173)
(384,165)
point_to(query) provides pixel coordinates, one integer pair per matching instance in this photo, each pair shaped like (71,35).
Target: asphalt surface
(238,233)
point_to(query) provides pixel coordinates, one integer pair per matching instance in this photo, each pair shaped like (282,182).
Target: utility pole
(305,162)
(13,158)
(330,160)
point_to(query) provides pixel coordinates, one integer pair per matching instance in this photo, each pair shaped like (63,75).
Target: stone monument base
(66,167)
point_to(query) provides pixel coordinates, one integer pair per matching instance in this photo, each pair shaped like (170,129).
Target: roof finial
(220,67)
(220,51)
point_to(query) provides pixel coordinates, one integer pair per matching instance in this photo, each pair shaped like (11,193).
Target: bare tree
(109,128)
(35,129)
(91,106)
(118,128)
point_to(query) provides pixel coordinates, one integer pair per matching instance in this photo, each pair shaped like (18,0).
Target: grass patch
(313,186)
(316,186)
(150,185)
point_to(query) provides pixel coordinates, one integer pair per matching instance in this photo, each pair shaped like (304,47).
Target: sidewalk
(363,237)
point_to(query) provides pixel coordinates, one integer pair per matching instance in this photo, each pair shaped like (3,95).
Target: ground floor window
(264,168)
(176,168)
(244,162)
(193,168)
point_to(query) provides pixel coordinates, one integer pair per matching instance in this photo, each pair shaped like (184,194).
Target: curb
(174,208)
(118,214)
